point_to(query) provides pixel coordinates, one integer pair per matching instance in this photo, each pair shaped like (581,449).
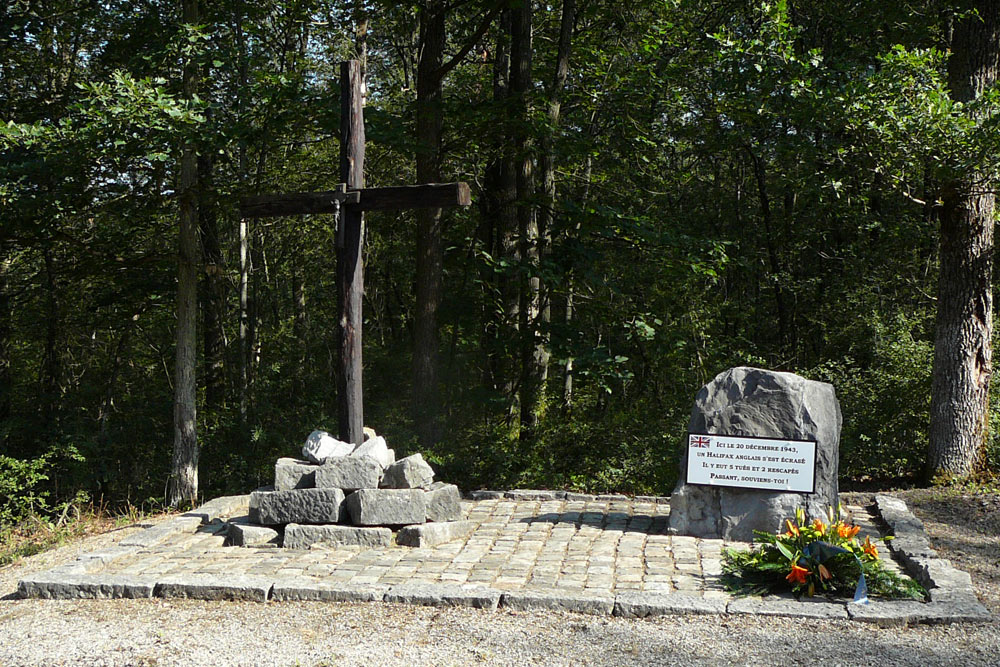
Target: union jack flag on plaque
(700,441)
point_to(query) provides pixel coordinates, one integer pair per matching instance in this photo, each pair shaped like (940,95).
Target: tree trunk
(300,326)
(426,403)
(214,288)
(499,235)
(547,212)
(568,376)
(184,472)
(527,222)
(244,320)
(51,366)
(960,384)
(6,386)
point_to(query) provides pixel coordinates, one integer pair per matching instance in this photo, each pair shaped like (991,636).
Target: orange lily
(824,573)
(847,532)
(819,525)
(792,528)
(797,575)
(869,548)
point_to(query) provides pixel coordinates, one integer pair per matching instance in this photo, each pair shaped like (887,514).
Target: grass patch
(37,534)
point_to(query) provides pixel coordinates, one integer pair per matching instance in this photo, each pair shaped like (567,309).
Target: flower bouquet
(814,557)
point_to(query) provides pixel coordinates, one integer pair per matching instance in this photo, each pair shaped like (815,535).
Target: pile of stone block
(342,495)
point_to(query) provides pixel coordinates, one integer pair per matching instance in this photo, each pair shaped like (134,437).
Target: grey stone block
(655,500)
(242,534)
(443,502)
(444,595)
(411,472)
(580,497)
(302,537)
(755,402)
(957,611)
(219,508)
(433,534)
(600,605)
(911,546)
(322,591)
(105,556)
(535,494)
(376,448)
(386,507)
(214,587)
(898,518)
(888,614)
(294,474)
(938,573)
(296,506)
(483,494)
(788,608)
(49,586)
(162,531)
(610,497)
(958,595)
(349,473)
(641,604)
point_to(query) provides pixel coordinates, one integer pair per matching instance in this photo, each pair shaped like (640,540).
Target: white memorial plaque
(752,463)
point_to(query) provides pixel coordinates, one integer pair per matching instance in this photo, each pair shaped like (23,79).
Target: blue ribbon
(821,551)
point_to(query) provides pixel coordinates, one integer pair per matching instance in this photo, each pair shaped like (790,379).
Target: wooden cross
(348,202)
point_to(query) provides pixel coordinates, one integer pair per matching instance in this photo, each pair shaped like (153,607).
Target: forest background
(661,190)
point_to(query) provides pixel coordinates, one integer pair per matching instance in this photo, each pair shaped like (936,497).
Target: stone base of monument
(351,497)
(755,403)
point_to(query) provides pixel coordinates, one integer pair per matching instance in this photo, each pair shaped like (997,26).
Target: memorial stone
(758,403)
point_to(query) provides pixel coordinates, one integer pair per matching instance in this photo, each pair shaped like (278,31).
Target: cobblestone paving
(558,546)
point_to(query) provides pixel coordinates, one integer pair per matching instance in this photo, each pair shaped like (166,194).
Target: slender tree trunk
(214,288)
(499,233)
(300,326)
(244,320)
(430,255)
(546,215)
(51,366)
(571,291)
(527,222)
(184,472)
(960,384)
(6,385)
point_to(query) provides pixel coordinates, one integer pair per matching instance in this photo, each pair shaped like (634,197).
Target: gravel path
(182,632)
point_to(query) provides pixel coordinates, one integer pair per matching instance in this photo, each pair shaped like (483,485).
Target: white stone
(411,472)
(321,446)
(377,449)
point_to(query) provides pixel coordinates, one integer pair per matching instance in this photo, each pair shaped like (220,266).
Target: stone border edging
(952,598)
(949,589)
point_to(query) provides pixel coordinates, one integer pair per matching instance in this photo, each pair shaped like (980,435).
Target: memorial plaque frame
(811,455)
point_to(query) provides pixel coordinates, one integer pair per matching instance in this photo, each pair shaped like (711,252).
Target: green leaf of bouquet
(785,551)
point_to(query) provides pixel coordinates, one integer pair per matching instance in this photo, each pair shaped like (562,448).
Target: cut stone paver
(520,550)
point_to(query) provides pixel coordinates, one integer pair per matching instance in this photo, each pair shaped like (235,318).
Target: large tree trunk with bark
(184,471)
(964,328)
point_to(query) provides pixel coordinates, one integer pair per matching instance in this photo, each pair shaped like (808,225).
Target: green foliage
(21,493)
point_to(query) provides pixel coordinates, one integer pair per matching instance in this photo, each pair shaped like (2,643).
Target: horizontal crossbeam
(431,195)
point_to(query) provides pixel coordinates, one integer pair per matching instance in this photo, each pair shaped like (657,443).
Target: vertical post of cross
(350,263)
